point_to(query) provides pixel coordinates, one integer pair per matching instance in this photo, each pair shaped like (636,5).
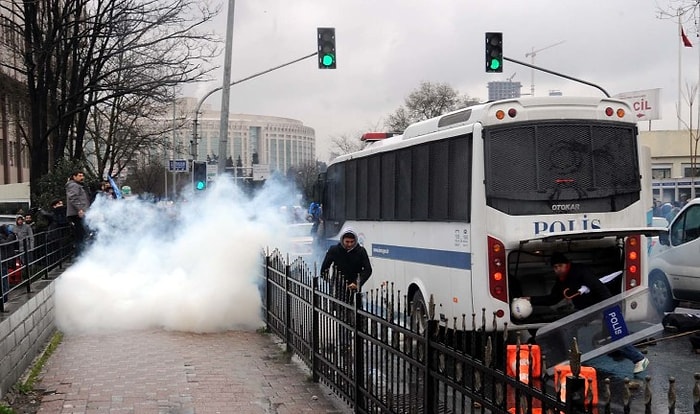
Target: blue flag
(117,192)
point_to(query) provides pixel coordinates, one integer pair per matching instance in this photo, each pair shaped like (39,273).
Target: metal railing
(372,353)
(22,262)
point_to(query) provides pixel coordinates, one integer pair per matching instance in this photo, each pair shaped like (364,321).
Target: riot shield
(623,319)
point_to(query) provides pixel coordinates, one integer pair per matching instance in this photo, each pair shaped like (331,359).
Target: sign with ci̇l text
(645,104)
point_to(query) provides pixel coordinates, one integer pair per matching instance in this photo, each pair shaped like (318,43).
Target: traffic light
(494,52)
(326,47)
(199,175)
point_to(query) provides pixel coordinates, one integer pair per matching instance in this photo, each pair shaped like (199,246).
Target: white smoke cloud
(193,266)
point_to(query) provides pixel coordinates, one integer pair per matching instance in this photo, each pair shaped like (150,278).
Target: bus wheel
(419,313)
(660,292)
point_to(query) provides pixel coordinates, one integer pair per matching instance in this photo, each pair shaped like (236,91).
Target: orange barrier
(14,273)
(534,411)
(562,371)
(524,368)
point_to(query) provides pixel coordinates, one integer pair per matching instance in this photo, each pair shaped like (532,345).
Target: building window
(688,170)
(658,173)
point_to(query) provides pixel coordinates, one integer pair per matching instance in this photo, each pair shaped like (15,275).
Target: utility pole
(225,97)
(532,55)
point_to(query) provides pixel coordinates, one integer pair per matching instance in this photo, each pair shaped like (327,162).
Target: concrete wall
(24,333)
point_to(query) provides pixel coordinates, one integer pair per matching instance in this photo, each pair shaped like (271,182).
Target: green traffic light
(327,60)
(495,64)
(201,185)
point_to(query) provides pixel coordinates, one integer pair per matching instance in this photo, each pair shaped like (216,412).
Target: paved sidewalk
(164,372)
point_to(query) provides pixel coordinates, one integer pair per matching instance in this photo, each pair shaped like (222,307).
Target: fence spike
(543,374)
(671,395)
(487,352)
(575,358)
(589,395)
(647,394)
(607,396)
(696,394)
(626,396)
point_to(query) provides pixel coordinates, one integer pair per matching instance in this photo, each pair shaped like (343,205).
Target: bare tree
(427,101)
(148,177)
(345,144)
(78,54)
(691,92)
(306,178)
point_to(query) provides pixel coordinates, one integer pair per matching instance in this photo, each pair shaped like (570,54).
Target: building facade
(672,170)
(280,143)
(14,153)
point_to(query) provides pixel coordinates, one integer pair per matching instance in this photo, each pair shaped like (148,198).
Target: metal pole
(174,137)
(226,91)
(680,40)
(558,74)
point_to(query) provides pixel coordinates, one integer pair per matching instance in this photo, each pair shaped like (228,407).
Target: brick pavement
(163,372)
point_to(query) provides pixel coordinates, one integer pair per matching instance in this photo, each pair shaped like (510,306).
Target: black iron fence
(377,357)
(22,262)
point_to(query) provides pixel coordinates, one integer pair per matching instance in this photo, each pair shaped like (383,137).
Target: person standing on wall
(78,201)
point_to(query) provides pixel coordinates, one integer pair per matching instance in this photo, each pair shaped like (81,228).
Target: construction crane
(532,55)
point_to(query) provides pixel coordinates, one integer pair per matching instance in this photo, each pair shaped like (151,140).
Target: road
(671,356)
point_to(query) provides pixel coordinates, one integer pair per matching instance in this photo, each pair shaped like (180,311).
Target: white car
(301,243)
(674,261)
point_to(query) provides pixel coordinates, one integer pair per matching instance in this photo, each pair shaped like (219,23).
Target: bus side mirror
(663,238)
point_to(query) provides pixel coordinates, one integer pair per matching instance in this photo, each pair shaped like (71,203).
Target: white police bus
(469,206)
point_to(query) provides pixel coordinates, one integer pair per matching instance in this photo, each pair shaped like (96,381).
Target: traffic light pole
(551,72)
(195,138)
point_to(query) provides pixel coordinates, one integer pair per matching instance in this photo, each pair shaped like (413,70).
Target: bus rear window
(595,164)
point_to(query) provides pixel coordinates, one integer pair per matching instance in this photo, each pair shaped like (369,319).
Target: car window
(687,227)
(692,224)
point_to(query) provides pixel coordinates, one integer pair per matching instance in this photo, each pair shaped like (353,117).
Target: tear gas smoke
(189,266)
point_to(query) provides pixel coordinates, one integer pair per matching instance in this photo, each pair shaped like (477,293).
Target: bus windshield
(544,164)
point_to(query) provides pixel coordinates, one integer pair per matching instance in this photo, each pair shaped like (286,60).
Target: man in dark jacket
(350,260)
(352,269)
(77,203)
(578,284)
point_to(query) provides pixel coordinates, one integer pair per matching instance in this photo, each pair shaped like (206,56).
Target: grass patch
(28,384)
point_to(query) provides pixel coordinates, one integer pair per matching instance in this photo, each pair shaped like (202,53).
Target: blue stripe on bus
(446,258)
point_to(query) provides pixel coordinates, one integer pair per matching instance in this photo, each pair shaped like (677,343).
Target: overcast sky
(385,48)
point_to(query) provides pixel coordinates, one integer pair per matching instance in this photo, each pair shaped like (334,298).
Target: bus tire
(660,292)
(419,313)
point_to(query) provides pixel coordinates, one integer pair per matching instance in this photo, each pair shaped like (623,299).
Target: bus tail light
(633,272)
(620,112)
(497,269)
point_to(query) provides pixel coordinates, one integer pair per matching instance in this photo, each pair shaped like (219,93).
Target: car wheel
(660,291)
